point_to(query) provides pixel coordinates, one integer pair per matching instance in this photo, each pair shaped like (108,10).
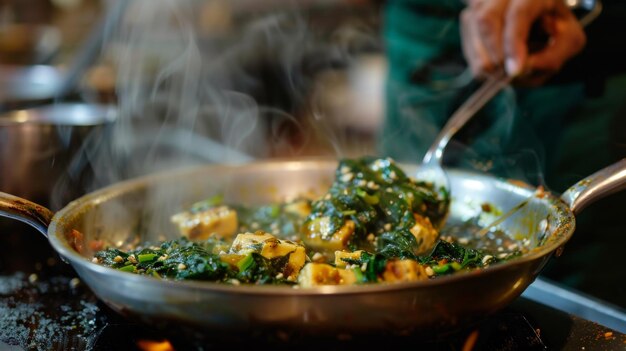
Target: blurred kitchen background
(322,60)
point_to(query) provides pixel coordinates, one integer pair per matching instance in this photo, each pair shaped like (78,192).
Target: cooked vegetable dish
(374,225)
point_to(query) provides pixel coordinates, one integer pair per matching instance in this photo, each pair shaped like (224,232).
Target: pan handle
(26,211)
(604,182)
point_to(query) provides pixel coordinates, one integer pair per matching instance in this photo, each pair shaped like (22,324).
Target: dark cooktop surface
(58,312)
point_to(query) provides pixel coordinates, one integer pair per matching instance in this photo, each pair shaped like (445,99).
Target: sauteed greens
(375,224)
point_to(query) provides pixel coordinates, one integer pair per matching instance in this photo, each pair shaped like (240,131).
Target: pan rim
(57,226)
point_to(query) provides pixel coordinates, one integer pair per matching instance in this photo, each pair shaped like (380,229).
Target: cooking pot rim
(62,114)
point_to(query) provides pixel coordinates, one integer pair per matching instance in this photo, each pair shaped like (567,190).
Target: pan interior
(136,211)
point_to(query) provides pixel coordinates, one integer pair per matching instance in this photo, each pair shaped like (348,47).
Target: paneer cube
(340,255)
(271,247)
(198,226)
(231,259)
(316,274)
(403,271)
(425,234)
(318,236)
(300,208)
(250,242)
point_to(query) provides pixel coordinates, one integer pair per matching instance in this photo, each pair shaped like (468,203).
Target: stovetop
(44,306)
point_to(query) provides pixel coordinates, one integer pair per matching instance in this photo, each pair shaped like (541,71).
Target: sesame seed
(132,259)
(74,282)
(235,282)
(181,267)
(347,177)
(387,226)
(95,260)
(370,237)
(429,271)
(33,278)
(279,276)
(487,258)
(118,259)
(372,185)
(317,257)
(364,267)
(463,241)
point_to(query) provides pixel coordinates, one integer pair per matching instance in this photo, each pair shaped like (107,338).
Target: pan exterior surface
(139,210)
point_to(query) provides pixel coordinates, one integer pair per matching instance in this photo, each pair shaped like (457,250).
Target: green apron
(551,135)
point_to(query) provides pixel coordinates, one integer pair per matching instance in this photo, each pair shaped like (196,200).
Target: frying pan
(130,212)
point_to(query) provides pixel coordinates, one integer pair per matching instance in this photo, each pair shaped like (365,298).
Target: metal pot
(36,145)
(138,210)
(27,86)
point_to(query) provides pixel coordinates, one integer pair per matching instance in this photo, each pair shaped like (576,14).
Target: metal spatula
(430,169)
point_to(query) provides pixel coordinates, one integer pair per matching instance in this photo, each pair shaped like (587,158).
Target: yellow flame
(149,345)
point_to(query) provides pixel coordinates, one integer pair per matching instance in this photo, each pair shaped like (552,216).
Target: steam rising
(234,81)
(220,83)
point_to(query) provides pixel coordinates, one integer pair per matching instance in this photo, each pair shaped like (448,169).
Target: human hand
(495,33)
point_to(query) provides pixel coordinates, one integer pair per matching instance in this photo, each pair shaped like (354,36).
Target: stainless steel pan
(138,210)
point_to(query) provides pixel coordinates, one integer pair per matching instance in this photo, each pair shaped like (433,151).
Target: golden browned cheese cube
(220,220)
(301,208)
(340,255)
(250,242)
(317,235)
(316,274)
(425,234)
(231,259)
(403,271)
(270,247)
